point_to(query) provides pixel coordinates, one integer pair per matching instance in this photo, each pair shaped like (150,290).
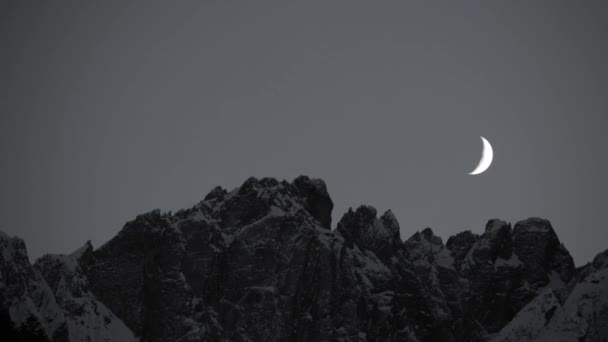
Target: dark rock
(460,245)
(601,260)
(260,263)
(540,250)
(217,194)
(26,296)
(318,202)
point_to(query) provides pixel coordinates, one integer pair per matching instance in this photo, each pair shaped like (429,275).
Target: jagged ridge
(260,263)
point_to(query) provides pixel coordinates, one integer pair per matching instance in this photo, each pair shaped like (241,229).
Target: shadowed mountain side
(260,263)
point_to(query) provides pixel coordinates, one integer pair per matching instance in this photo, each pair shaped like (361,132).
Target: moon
(486,158)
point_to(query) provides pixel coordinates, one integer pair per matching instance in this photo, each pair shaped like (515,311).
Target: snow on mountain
(25,296)
(53,296)
(584,315)
(87,319)
(530,321)
(260,263)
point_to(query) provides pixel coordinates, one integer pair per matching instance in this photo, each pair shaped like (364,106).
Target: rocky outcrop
(254,263)
(584,313)
(363,228)
(544,258)
(260,263)
(581,316)
(50,300)
(87,319)
(318,203)
(26,300)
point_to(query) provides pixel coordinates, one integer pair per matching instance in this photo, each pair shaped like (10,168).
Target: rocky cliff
(261,263)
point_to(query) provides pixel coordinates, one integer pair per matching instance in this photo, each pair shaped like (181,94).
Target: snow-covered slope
(531,320)
(88,320)
(52,296)
(25,296)
(584,315)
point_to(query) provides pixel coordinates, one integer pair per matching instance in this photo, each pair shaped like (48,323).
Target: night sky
(111,110)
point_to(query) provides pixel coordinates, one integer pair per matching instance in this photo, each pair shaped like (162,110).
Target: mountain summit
(261,263)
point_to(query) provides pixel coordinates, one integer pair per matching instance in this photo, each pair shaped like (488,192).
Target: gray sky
(111,110)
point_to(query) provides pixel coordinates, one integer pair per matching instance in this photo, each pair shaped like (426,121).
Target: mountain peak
(317,199)
(496,225)
(363,228)
(84,252)
(601,260)
(217,193)
(534,225)
(261,263)
(390,223)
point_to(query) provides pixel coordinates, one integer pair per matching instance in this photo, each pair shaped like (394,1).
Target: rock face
(261,263)
(86,318)
(28,306)
(50,300)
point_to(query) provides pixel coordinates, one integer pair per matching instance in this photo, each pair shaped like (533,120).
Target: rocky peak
(256,198)
(363,228)
(251,184)
(496,225)
(460,245)
(84,256)
(87,319)
(13,249)
(217,194)
(317,200)
(599,263)
(147,221)
(25,297)
(363,216)
(249,202)
(84,253)
(601,260)
(423,246)
(260,263)
(391,224)
(426,250)
(56,267)
(428,236)
(539,248)
(494,243)
(533,225)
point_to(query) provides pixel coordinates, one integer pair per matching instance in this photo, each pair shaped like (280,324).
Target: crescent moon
(486,158)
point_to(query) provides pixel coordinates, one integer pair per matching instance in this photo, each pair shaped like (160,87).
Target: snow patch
(512,262)
(445,259)
(529,321)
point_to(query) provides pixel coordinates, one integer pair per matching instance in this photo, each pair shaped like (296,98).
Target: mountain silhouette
(261,263)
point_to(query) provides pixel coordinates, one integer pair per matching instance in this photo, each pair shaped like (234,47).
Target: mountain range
(261,263)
